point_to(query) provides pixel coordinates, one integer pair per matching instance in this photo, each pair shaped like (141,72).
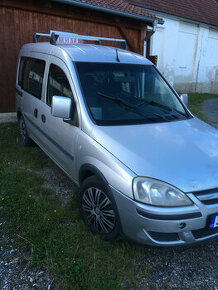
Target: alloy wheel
(98,210)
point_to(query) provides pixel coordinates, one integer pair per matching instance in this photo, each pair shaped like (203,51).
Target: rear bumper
(158,226)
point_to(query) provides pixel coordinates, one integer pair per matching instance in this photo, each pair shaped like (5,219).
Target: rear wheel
(98,209)
(24,137)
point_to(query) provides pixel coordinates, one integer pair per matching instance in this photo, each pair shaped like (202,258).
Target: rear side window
(20,74)
(30,76)
(58,84)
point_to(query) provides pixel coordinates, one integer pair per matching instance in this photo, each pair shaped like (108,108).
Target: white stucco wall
(187,55)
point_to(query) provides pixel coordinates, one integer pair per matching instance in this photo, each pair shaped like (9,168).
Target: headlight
(158,193)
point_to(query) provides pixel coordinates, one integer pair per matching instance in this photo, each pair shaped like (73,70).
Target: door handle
(36,113)
(43,118)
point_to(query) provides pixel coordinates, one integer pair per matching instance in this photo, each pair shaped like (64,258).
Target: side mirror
(61,107)
(184,98)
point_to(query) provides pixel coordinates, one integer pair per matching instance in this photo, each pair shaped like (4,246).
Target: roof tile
(205,11)
(119,5)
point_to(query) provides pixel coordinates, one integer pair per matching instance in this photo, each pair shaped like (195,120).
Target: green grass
(195,104)
(55,236)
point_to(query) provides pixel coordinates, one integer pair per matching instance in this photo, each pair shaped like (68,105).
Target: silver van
(146,167)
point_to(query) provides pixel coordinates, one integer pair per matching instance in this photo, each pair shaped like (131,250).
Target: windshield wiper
(117,100)
(149,103)
(134,107)
(155,104)
(120,101)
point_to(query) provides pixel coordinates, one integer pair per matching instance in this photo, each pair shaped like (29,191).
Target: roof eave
(147,19)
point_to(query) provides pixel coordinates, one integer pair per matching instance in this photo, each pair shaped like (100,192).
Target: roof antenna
(117,56)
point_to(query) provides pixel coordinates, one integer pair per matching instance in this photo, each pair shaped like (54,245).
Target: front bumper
(159,226)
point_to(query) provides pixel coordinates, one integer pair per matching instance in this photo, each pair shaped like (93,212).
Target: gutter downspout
(148,36)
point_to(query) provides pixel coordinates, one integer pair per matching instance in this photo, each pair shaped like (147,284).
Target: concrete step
(8,117)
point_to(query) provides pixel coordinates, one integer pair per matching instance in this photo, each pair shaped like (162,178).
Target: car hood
(182,153)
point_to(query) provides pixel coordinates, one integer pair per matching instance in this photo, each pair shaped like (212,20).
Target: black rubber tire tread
(94,181)
(25,140)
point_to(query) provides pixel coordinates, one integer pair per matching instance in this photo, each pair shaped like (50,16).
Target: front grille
(205,232)
(211,201)
(208,197)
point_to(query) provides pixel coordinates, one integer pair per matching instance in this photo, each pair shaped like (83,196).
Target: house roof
(121,7)
(205,11)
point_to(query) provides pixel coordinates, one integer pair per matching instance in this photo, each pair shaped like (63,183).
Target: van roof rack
(57,37)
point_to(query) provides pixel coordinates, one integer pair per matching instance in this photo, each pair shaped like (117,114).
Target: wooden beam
(142,35)
(130,41)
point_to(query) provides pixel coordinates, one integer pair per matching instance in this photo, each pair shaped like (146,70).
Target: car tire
(24,137)
(98,209)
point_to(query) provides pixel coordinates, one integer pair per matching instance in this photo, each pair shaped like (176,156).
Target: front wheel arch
(88,170)
(95,182)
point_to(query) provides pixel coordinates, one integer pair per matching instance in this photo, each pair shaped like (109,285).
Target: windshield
(119,94)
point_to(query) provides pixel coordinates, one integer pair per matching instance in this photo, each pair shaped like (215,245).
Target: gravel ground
(183,268)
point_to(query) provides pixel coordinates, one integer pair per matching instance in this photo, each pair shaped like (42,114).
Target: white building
(187,43)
